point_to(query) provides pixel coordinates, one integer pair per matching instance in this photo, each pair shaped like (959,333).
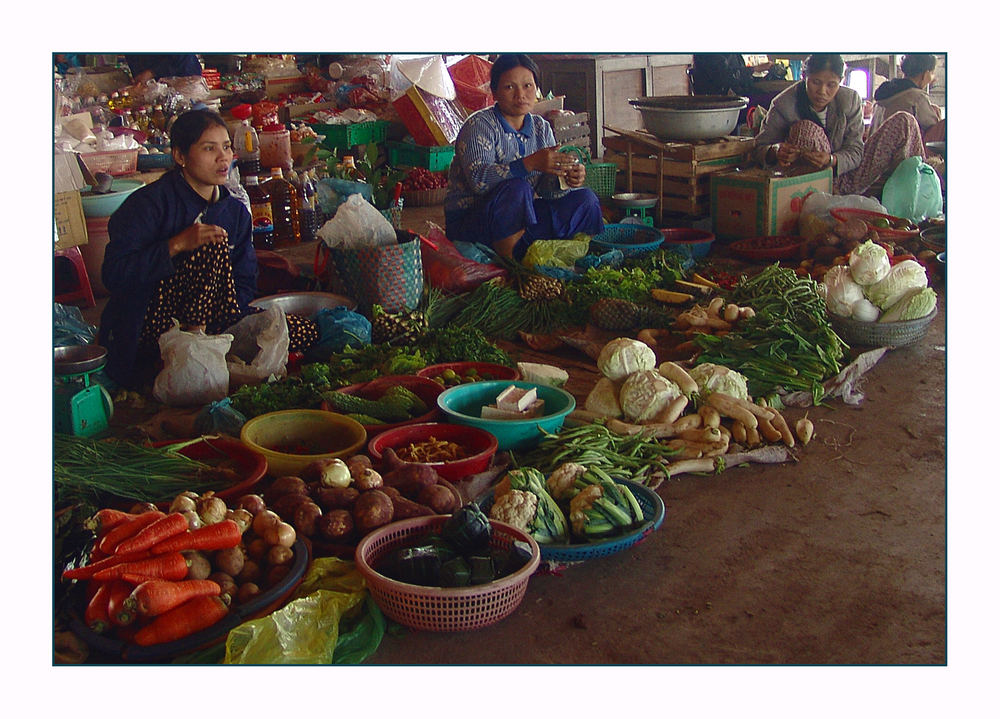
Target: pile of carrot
(137,579)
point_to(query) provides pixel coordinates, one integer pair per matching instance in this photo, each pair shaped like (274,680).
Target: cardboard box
(276,86)
(756,202)
(70,227)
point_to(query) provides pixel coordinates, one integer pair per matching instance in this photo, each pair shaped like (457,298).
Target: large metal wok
(690,117)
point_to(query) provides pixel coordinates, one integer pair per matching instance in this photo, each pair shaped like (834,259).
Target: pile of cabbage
(871,289)
(633,388)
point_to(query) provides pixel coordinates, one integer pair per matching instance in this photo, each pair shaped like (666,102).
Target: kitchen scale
(636,206)
(80,406)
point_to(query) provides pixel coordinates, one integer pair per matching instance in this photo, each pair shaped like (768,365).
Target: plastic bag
(339,327)
(448,269)
(260,347)
(219,417)
(194,367)
(820,204)
(557,253)
(913,191)
(306,630)
(332,192)
(69,327)
(357,225)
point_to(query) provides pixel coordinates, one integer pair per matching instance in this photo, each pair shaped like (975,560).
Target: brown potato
(336,497)
(284,485)
(371,510)
(439,498)
(225,582)
(305,518)
(335,525)
(199,566)
(287,505)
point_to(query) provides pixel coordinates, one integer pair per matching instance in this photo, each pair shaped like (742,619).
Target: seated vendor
(180,248)
(909,93)
(504,183)
(817,123)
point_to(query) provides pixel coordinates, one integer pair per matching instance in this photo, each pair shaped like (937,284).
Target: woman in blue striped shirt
(508,184)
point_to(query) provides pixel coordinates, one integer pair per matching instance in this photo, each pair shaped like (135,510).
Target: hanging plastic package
(260,347)
(913,191)
(194,368)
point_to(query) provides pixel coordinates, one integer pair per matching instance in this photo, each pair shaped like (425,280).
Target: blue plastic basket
(653,511)
(631,239)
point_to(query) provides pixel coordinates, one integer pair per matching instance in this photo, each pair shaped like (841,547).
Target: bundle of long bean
(635,457)
(91,470)
(789,343)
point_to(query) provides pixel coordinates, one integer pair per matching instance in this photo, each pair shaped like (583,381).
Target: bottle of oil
(284,208)
(261,215)
(307,204)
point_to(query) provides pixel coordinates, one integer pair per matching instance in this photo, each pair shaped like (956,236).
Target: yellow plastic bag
(305,630)
(557,253)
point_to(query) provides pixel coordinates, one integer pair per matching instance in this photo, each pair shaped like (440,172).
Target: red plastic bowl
(249,464)
(426,389)
(494,371)
(481,445)
(868,216)
(698,242)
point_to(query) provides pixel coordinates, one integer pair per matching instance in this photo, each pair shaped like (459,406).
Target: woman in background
(504,185)
(817,123)
(909,93)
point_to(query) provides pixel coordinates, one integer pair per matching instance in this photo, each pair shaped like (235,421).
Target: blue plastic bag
(913,191)
(220,417)
(338,328)
(69,327)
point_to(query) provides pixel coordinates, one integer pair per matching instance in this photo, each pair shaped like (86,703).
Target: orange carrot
(95,615)
(221,535)
(107,519)
(126,529)
(183,620)
(166,566)
(119,591)
(87,571)
(163,528)
(156,596)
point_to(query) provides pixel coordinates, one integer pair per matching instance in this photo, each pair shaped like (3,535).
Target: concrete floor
(838,559)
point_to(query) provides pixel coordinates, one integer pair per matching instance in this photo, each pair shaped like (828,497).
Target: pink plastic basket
(442,609)
(115,162)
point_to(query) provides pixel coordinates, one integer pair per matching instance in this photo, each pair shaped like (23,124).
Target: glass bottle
(261,215)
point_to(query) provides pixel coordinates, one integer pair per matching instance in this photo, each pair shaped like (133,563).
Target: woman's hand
(817,158)
(194,236)
(576,174)
(548,160)
(787,154)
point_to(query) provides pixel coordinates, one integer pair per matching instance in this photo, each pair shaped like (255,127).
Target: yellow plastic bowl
(292,438)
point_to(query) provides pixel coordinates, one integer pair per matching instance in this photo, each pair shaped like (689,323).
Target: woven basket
(442,609)
(601,176)
(881,334)
(424,198)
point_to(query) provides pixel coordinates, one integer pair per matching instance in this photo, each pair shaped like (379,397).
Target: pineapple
(611,313)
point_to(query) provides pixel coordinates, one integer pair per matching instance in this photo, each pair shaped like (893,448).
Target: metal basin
(690,117)
(74,359)
(304,303)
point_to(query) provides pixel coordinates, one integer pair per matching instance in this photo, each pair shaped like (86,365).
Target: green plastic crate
(408,154)
(358,133)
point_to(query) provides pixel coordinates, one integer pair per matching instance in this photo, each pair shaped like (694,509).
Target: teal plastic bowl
(463,404)
(106,204)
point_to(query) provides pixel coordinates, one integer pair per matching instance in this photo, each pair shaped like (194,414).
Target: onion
(242,517)
(264,521)
(279,554)
(253,503)
(193,520)
(281,533)
(182,503)
(211,509)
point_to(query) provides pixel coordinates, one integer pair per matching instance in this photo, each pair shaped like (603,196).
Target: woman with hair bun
(817,123)
(909,93)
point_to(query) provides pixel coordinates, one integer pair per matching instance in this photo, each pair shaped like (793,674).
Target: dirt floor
(837,559)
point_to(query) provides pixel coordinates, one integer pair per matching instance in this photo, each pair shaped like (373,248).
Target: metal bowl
(634,199)
(934,238)
(937,146)
(74,359)
(304,303)
(690,117)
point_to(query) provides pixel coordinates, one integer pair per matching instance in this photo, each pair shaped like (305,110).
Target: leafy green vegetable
(288,393)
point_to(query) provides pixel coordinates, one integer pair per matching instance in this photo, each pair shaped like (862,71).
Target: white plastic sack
(263,339)
(357,225)
(820,204)
(194,368)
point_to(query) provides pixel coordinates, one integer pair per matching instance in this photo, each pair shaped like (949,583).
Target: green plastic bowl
(106,204)
(463,404)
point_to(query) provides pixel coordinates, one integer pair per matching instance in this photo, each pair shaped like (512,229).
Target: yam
(335,525)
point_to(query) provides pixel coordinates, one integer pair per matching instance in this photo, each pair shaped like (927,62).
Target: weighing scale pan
(634,199)
(74,359)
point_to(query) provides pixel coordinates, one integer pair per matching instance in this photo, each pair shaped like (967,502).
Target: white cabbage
(841,290)
(717,378)
(916,303)
(903,276)
(645,394)
(865,311)
(624,356)
(869,263)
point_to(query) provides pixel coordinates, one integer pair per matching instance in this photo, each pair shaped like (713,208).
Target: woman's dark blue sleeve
(244,259)
(137,251)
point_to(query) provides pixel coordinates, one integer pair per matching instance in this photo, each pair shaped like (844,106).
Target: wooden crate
(679,172)
(572,129)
